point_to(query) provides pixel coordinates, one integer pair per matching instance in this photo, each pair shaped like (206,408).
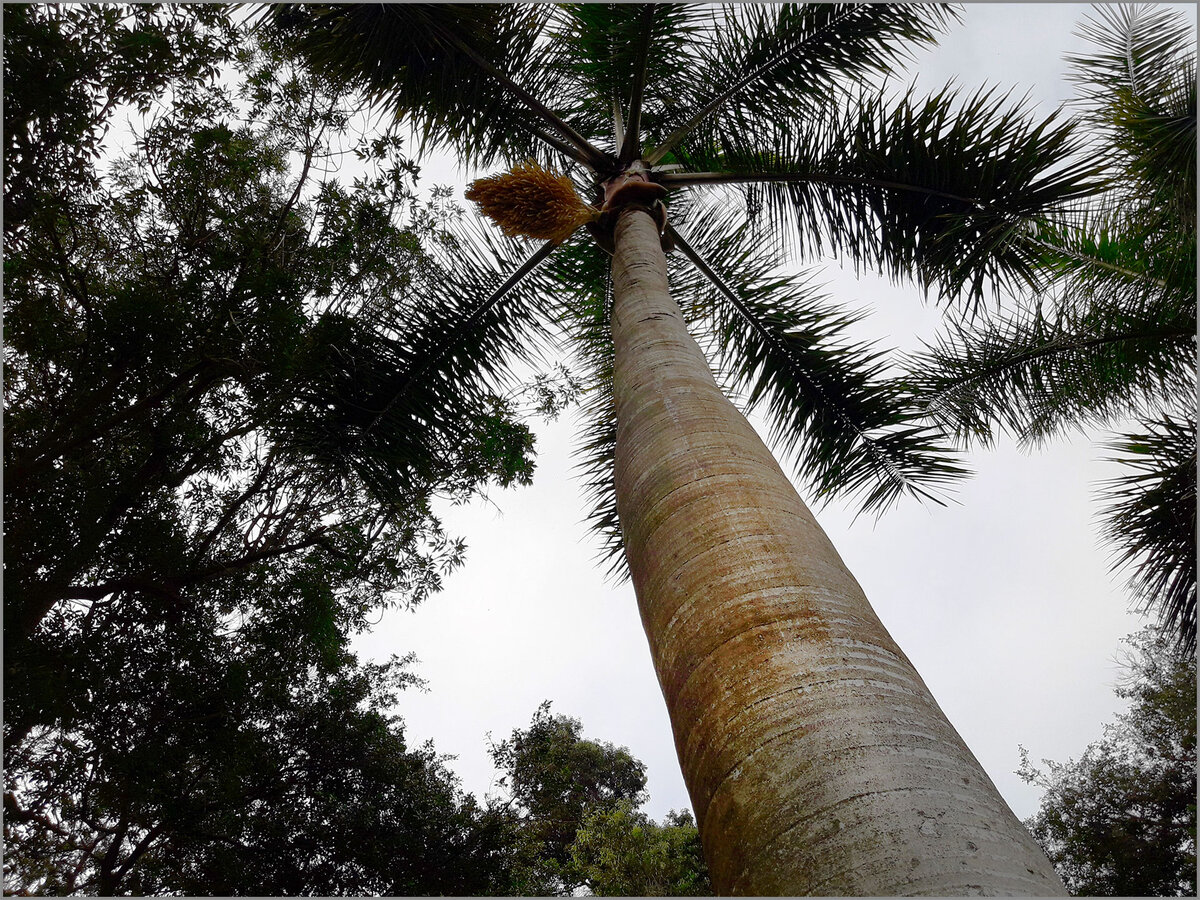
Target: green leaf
(942,189)
(1150,515)
(850,431)
(1036,374)
(773,61)
(1137,91)
(454,70)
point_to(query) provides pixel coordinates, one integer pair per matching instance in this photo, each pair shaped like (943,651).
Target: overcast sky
(1004,601)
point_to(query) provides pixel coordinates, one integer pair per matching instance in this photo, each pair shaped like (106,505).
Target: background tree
(555,778)
(207,493)
(1121,820)
(578,824)
(767,121)
(1109,333)
(621,852)
(85,70)
(257,765)
(200,236)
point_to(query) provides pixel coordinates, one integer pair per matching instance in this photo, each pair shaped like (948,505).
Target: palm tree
(1109,334)
(816,758)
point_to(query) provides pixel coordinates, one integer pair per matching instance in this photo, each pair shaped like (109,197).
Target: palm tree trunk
(816,758)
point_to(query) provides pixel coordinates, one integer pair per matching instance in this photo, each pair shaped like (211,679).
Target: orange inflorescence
(532,202)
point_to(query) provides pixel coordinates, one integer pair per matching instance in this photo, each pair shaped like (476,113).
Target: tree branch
(1057,345)
(170,588)
(44,455)
(1086,260)
(229,513)
(135,854)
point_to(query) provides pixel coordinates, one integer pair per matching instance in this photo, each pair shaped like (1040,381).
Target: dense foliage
(621,852)
(1121,820)
(208,489)
(576,801)
(65,83)
(233,768)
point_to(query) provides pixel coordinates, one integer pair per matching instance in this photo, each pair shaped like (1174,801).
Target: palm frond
(771,60)
(1137,90)
(394,392)
(940,189)
(469,75)
(1035,374)
(1107,248)
(1139,48)
(585,279)
(1151,517)
(636,56)
(849,430)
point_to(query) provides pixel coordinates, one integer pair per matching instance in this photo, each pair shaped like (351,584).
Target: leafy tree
(621,852)
(175,347)
(1121,820)
(577,820)
(556,778)
(1110,334)
(65,83)
(247,764)
(770,130)
(207,489)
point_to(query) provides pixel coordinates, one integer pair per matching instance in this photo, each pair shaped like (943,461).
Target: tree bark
(816,758)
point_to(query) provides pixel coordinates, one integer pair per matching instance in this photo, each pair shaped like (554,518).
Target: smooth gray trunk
(816,758)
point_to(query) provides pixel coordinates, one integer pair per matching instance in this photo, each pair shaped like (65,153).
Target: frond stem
(1098,263)
(524,269)
(561,146)
(709,108)
(595,158)
(631,143)
(686,179)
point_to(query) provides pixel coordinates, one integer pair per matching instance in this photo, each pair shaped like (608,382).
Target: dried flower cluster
(532,202)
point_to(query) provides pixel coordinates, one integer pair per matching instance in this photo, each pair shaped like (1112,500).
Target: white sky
(1004,603)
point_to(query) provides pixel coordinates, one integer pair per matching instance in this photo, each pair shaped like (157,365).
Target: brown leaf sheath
(816,758)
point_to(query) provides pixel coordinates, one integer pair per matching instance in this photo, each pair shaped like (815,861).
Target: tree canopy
(207,493)
(1121,820)
(621,852)
(773,131)
(577,801)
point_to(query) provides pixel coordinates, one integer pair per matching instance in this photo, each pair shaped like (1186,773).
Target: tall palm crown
(816,759)
(760,122)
